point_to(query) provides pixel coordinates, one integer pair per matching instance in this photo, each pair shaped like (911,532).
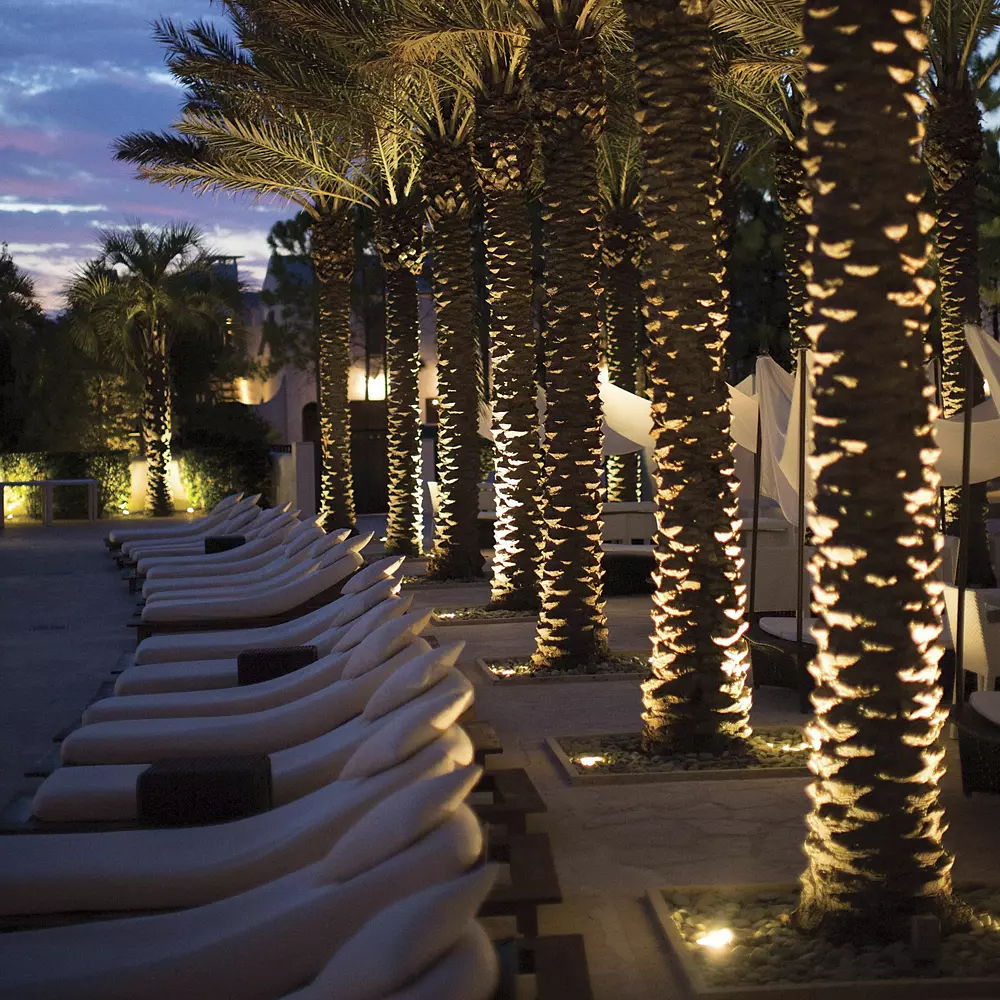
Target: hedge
(109,468)
(209,474)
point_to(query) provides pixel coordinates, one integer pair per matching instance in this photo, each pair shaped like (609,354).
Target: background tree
(129,303)
(696,696)
(960,71)
(874,846)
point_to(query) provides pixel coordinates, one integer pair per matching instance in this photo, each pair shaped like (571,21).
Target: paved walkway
(62,610)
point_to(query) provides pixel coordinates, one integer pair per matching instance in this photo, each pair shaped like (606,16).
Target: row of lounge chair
(291,809)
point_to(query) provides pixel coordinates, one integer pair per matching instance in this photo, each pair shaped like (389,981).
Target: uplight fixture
(720,938)
(590,760)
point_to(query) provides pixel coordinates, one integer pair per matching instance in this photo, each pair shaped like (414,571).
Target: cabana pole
(965,512)
(801,555)
(756,515)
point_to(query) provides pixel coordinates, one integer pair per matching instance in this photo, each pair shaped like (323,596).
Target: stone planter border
(574,777)
(513,619)
(487,675)
(695,986)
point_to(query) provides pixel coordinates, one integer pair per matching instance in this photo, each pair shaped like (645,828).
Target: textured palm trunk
(447,179)
(790,186)
(696,696)
(333,264)
(952,151)
(568,91)
(621,249)
(502,153)
(398,231)
(156,428)
(874,842)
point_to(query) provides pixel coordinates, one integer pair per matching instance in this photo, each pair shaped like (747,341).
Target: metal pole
(756,515)
(800,567)
(939,400)
(962,568)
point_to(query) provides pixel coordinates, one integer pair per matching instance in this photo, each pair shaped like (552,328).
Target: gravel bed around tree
(479,614)
(765,949)
(521,667)
(621,753)
(428,581)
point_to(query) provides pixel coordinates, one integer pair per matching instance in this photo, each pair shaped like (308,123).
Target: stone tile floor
(62,609)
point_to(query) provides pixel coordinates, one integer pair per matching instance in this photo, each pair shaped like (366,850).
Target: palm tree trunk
(502,151)
(447,180)
(790,187)
(333,264)
(156,427)
(570,108)
(874,843)
(952,151)
(398,231)
(696,697)
(621,249)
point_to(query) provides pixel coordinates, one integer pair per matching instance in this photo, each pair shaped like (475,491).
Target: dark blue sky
(74,74)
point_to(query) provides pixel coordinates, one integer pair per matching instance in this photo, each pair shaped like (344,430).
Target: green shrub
(109,468)
(209,474)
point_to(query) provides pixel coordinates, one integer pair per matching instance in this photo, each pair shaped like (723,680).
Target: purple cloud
(74,74)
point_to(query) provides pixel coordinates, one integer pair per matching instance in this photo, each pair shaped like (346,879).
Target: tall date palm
(874,844)
(696,696)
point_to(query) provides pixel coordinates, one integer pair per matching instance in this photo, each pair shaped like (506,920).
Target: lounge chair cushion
(203,790)
(411,679)
(350,607)
(363,626)
(470,971)
(383,642)
(398,821)
(412,728)
(987,704)
(380,570)
(403,940)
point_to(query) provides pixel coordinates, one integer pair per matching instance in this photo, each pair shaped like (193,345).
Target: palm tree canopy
(144,286)
(961,44)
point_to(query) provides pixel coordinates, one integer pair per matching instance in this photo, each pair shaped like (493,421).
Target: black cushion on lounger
(264,663)
(223,543)
(187,792)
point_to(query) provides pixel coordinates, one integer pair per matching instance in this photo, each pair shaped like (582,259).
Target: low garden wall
(109,468)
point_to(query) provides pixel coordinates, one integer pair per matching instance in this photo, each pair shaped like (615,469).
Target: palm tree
(477,45)
(567,46)
(128,303)
(224,141)
(953,151)
(758,83)
(623,239)
(695,697)
(874,843)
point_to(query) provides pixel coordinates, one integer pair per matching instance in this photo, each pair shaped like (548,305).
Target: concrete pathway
(63,606)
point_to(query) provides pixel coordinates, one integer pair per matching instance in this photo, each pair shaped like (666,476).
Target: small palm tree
(225,141)
(964,59)
(128,303)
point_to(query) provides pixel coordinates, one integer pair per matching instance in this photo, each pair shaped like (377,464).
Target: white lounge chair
(269,940)
(223,672)
(217,645)
(247,698)
(271,724)
(232,519)
(235,525)
(218,513)
(107,793)
(158,869)
(276,572)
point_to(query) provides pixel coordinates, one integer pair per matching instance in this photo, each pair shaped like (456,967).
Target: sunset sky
(74,74)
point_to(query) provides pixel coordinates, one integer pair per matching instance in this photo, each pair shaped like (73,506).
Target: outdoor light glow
(190,510)
(10,517)
(720,938)
(589,761)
